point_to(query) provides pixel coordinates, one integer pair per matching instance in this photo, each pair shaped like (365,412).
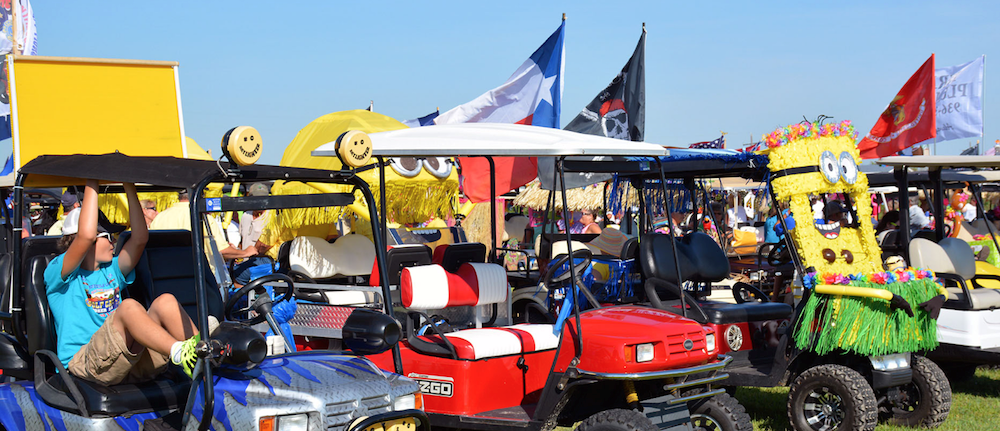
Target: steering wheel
(779,254)
(551,280)
(263,303)
(745,292)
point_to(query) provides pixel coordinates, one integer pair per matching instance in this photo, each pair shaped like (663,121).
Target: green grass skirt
(867,326)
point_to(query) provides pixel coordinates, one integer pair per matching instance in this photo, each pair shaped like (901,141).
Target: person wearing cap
(102,337)
(69,203)
(178,216)
(252,224)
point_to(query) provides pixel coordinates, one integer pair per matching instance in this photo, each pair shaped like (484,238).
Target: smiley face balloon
(242,145)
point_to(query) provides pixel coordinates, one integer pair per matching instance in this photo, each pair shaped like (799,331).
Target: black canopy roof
(52,171)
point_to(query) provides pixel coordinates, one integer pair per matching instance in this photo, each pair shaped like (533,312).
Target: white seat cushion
(472,344)
(315,257)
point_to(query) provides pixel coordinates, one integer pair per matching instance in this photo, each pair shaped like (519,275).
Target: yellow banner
(64,105)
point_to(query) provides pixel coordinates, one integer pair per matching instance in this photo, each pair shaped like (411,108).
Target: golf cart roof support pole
(384,212)
(903,196)
(604,203)
(935,177)
(198,251)
(493,210)
(380,244)
(578,340)
(976,193)
(640,190)
(17,218)
(670,233)
(787,238)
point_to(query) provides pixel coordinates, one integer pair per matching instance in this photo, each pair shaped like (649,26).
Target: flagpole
(14,25)
(983,100)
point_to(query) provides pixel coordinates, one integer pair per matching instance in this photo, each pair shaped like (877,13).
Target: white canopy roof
(490,139)
(942,161)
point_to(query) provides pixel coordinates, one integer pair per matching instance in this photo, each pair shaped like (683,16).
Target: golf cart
(843,374)
(617,367)
(966,327)
(236,385)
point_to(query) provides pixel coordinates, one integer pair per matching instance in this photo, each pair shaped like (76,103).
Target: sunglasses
(106,235)
(150,208)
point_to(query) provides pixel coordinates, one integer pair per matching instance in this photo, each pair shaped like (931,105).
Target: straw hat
(609,242)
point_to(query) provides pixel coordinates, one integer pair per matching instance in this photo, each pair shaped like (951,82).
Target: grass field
(975,405)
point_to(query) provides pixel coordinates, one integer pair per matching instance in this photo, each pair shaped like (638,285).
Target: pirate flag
(618,111)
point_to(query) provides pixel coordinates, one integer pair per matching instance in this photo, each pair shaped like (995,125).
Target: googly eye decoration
(407,167)
(440,167)
(848,169)
(829,166)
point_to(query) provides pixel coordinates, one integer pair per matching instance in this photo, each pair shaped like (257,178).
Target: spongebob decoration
(855,306)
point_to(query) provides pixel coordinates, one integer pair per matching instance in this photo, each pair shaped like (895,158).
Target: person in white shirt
(917,218)
(969,211)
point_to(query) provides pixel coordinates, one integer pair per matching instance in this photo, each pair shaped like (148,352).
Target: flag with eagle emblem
(908,120)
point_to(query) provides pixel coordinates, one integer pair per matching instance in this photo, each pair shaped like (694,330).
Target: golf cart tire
(934,391)
(860,410)
(617,420)
(722,411)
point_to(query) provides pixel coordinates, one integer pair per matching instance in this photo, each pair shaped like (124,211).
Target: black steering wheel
(779,254)
(263,303)
(551,280)
(745,292)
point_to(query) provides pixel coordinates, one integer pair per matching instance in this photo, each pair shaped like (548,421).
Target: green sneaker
(186,357)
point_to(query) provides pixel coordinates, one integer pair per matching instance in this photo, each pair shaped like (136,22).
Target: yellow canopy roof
(326,129)
(194,151)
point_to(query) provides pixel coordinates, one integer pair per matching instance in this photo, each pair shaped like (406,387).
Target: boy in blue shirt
(101,337)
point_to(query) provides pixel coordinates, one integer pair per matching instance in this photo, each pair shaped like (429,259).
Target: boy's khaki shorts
(107,360)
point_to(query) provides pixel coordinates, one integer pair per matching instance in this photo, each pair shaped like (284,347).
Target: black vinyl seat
(723,312)
(166,266)
(701,260)
(452,256)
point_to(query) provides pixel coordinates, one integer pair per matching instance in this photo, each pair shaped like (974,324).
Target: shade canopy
(942,161)
(55,171)
(486,139)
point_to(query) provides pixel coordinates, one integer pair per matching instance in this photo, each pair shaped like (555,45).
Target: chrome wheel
(702,422)
(823,409)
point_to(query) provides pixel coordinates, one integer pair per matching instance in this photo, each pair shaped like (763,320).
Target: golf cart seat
(349,255)
(452,256)
(398,257)
(96,399)
(430,287)
(952,259)
(702,260)
(167,266)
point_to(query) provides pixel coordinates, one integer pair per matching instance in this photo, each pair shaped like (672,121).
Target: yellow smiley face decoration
(242,145)
(811,160)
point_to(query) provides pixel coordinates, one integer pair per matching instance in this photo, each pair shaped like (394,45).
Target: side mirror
(369,332)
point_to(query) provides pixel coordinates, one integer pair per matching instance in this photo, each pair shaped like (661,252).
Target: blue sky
(745,68)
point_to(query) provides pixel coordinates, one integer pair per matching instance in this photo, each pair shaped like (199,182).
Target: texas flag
(532,96)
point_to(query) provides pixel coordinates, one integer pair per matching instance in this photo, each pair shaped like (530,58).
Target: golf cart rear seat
(430,287)
(398,257)
(953,259)
(452,256)
(701,260)
(165,266)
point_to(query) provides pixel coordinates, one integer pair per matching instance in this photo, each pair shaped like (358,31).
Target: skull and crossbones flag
(618,111)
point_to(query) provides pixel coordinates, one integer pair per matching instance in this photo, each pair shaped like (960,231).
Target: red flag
(910,118)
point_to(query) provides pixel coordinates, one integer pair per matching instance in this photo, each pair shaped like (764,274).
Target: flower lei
(794,132)
(953,216)
(898,276)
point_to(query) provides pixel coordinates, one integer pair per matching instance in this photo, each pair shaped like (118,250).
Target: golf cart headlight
(644,352)
(710,341)
(892,362)
(296,422)
(408,401)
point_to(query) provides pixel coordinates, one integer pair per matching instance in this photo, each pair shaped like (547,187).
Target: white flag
(960,100)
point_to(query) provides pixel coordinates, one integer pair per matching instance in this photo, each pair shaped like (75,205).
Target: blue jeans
(241,272)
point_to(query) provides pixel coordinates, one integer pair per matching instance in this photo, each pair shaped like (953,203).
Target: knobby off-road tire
(832,397)
(617,420)
(719,413)
(927,400)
